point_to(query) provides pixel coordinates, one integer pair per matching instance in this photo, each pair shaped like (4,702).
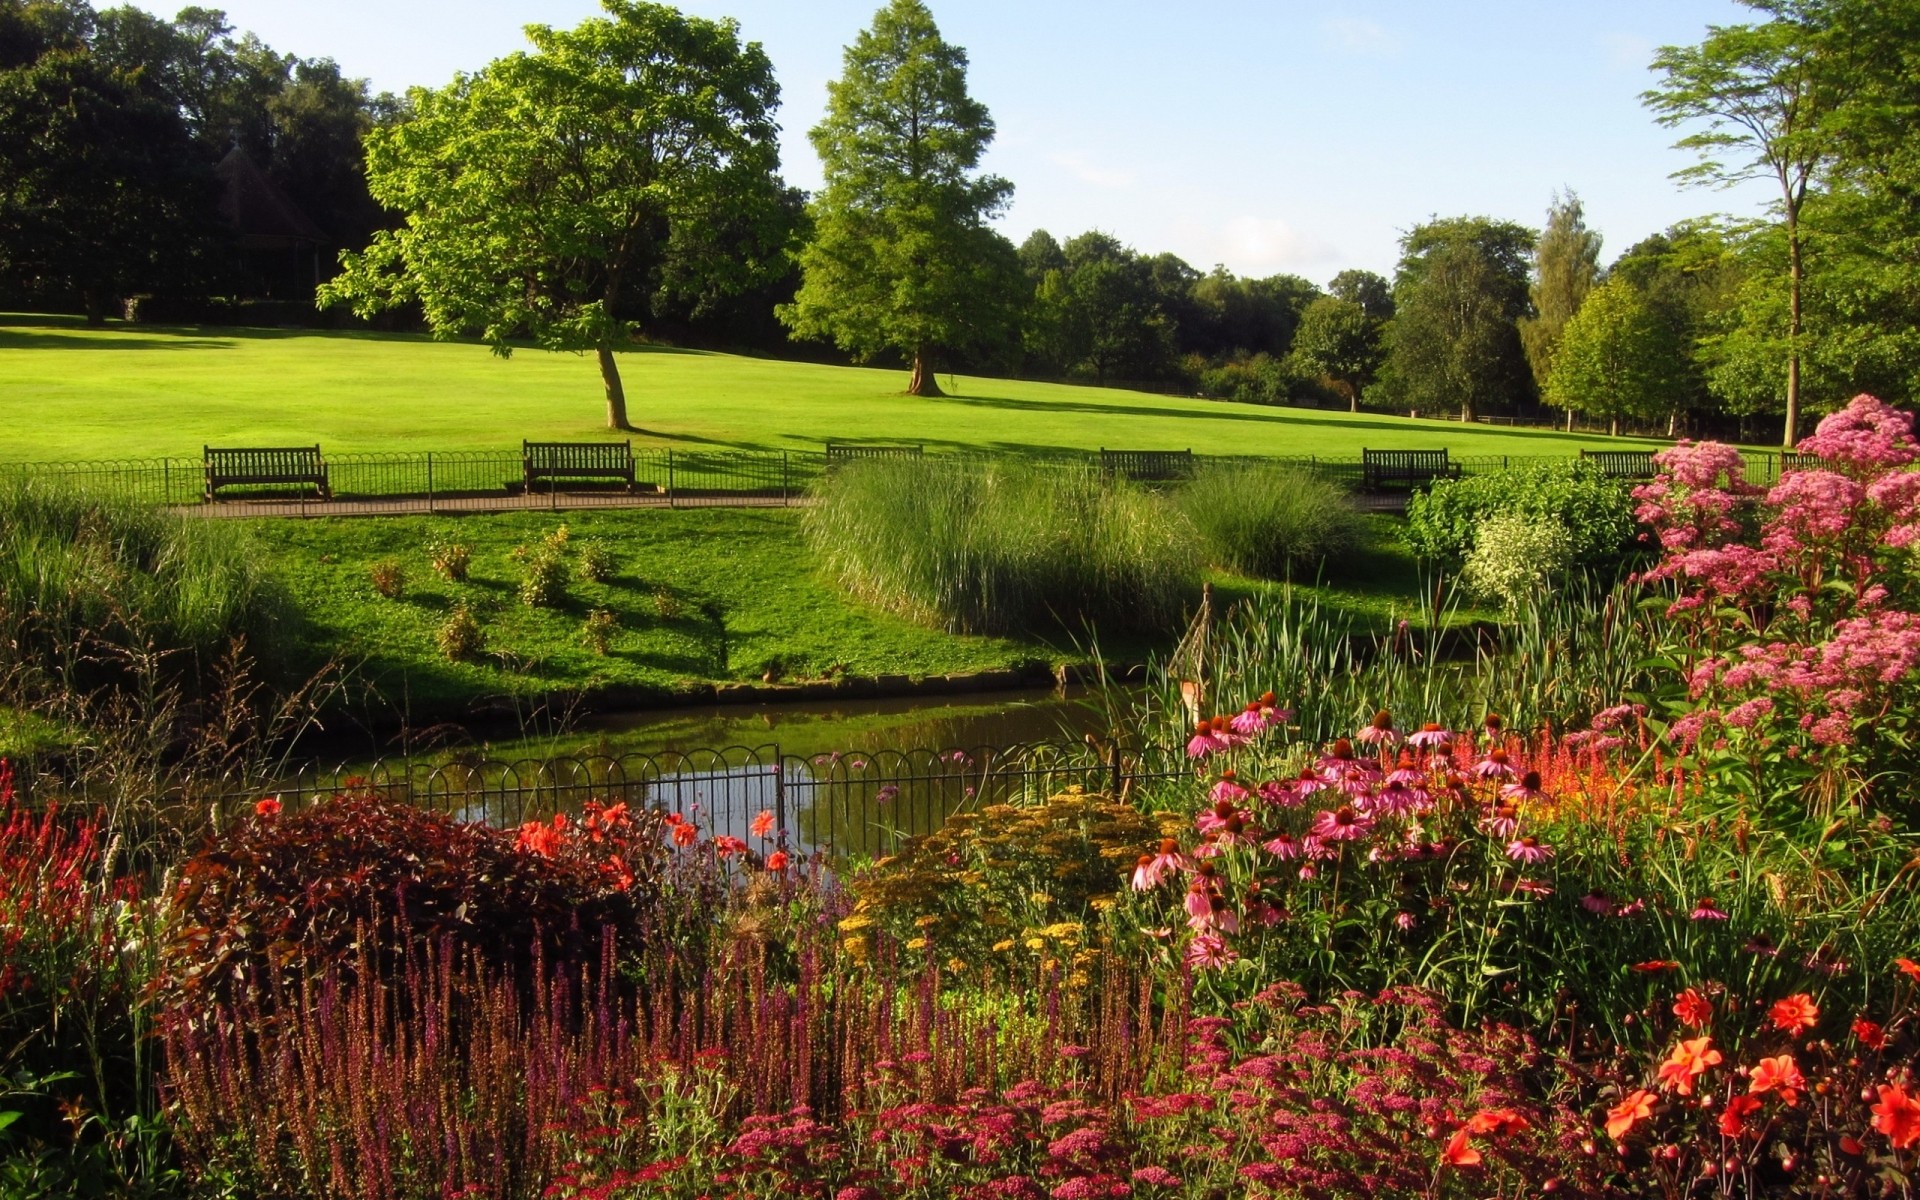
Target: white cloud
(1356,35)
(1087,171)
(1251,245)
(1626,51)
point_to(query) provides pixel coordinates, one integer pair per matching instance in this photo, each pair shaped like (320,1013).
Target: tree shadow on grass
(17,339)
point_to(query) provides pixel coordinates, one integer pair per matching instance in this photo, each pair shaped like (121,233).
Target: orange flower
(270,807)
(684,834)
(777,861)
(1689,1060)
(1458,1153)
(1908,967)
(1898,1116)
(1780,1074)
(1794,1014)
(1622,1117)
(762,823)
(1658,964)
(1497,1120)
(1872,1035)
(1733,1118)
(1692,1008)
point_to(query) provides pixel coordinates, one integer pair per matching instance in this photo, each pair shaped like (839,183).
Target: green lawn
(699,595)
(68,392)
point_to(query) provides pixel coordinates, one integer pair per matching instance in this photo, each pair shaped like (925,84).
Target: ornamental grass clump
(994,547)
(1266,521)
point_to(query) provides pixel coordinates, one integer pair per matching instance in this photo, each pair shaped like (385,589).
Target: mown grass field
(704,595)
(69,392)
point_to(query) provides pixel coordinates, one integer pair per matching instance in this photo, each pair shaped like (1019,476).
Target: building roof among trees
(266,217)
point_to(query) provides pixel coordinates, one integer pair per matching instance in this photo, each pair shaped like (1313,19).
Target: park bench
(1147,466)
(1622,464)
(841,453)
(605,462)
(1793,460)
(238,465)
(1381,469)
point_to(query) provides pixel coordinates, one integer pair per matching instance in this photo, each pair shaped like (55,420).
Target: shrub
(599,630)
(1268,521)
(556,542)
(1596,511)
(543,579)
(389,577)
(666,605)
(460,636)
(451,561)
(1516,559)
(594,562)
(980,547)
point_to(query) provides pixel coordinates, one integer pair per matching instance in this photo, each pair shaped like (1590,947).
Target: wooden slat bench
(604,462)
(1147,466)
(1793,460)
(1622,464)
(840,453)
(227,466)
(1381,469)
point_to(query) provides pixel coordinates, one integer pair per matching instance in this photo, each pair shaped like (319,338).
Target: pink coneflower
(1216,915)
(1398,800)
(1251,720)
(1494,765)
(1532,887)
(1318,847)
(1339,756)
(1210,819)
(1403,921)
(1284,846)
(1429,737)
(1199,901)
(1228,789)
(1379,731)
(1265,913)
(1209,951)
(1204,742)
(1707,910)
(1157,867)
(1631,910)
(1279,793)
(1598,903)
(1308,783)
(1407,771)
(1308,872)
(1343,824)
(1527,787)
(1502,820)
(1529,850)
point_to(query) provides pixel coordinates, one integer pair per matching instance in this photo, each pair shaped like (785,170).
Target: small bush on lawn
(599,631)
(1268,521)
(1443,523)
(543,579)
(389,578)
(451,561)
(1516,560)
(594,561)
(460,637)
(979,547)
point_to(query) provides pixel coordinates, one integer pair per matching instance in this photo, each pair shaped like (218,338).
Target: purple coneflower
(1403,921)
(1343,824)
(1502,820)
(1250,720)
(1707,910)
(1204,742)
(1598,903)
(1631,910)
(1228,789)
(1199,901)
(1494,765)
(1209,951)
(1284,846)
(1153,868)
(1398,800)
(1379,731)
(1217,916)
(1527,787)
(1279,793)
(1210,819)
(1429,737)
(1529,850)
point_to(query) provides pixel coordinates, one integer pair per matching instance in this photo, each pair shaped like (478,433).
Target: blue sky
(1275,136)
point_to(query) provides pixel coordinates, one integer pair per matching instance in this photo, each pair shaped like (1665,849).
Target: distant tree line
(620,181)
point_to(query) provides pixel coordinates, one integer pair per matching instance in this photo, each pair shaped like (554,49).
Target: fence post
(166,481)
(1113,762)
(786,478)
(429,483)
(780,790)
(671,499)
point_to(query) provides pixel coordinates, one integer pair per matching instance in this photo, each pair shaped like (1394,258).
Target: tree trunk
(1673,424)
(616,394)
(1793,330)
(1466,412)
(922,382)
(1569,420)
(1353,398)
(1613,426)
(95,306)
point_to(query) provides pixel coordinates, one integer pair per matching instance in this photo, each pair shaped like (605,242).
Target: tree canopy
(1617,359)
(1459,292)
(559,195)
(1566,265)
(903,258)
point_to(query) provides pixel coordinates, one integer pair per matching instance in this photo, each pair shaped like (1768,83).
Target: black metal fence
(479,480)
(841,803)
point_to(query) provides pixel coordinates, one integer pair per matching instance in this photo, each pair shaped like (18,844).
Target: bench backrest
(1623,464)
(1793,460)
(838,452)
(577,456)
(1147,465)
(264,464)
(1406,460)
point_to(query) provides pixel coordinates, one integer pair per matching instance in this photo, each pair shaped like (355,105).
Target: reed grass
(981,547)
(1268,521)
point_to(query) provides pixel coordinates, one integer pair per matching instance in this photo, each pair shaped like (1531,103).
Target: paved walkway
(403,506)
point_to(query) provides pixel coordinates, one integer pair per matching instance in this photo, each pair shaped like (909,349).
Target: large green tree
(1618,359)
(1338,340)
(560,195)
(1759,98)
(903,258)
(1566,266)
(1099,311)
(1459,293)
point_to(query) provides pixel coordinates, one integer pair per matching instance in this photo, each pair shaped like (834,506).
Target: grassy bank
(695,596)
(129,391)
